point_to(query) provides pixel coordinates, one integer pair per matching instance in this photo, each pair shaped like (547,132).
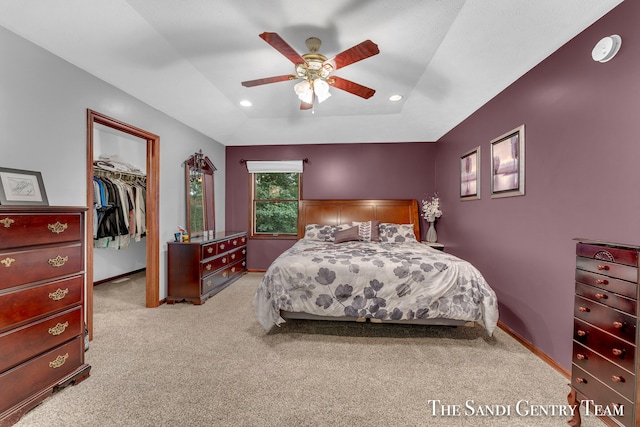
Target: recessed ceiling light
(395,97)
(246,103)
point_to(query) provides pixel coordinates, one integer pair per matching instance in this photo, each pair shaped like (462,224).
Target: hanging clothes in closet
(119,207)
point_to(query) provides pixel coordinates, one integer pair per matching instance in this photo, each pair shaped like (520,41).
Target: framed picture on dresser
(507,164)
(470,175)
(22,187)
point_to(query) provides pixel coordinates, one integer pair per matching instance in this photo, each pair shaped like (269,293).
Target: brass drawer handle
(233,269)
(244,252)
(224,260)
(7,261)
(59,361)
(58,227)
(618,325)
(581,380)
(7,222)
(603,267)
(584,309)
(208,283)
(601,296)
(208,267)
(233,256)
(58,261)
(617,379)
(225,274)
(617,352)
(210,249)
(235,243)
(58,329)
(581,356)
(581,333)
(59,294)
(602,282)
(221,245)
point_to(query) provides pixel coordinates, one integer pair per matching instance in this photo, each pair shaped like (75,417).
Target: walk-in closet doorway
(152,218)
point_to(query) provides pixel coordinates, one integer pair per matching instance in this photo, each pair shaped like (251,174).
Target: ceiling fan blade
(267,80)
(357,53)
(351,87)
(283,47)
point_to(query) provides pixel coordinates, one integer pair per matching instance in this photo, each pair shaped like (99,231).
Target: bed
(359,260)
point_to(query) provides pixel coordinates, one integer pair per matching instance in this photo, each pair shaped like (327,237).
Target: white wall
(43,103)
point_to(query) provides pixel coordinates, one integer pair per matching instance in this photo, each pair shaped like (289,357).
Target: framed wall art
(470,175)
(21,187)
(507,164)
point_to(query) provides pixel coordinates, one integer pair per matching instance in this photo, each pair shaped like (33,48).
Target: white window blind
(274,166)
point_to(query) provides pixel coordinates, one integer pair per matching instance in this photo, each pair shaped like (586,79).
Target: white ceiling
(187,58)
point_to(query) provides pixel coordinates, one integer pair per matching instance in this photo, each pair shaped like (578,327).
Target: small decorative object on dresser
(604,371)
(200,268)
(20,187)
(41,305)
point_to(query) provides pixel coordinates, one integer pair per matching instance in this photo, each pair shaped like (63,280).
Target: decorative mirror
(200,201)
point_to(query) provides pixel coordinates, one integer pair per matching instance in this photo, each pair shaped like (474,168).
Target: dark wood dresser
(41,305)
(605,335)
(199,269)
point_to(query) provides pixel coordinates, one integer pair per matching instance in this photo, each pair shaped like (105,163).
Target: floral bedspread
(388,281)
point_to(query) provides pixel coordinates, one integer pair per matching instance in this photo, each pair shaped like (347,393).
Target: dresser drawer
(613,321)
(209,250)
(610,374)
(613,348)
(221,278)
(20,305)
(612,253)
(599,394)
(238,241)
(40,373)
(223,246)
(622,287)
(211,265)
(22,229)
(609,299)
(23,343)
(609,269)
(237,255)
(31,265)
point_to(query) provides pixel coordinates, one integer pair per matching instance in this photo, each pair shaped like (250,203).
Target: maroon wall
(582,127)
(334,171)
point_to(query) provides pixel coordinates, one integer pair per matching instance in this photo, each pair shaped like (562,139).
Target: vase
(432,236)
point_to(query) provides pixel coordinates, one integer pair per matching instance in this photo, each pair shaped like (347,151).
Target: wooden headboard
(334,212)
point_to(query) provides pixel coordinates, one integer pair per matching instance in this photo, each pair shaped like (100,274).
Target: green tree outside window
(275,203)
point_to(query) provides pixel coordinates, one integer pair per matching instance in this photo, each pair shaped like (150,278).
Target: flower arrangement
(431,208)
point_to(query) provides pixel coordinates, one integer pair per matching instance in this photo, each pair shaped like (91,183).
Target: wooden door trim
(152,210)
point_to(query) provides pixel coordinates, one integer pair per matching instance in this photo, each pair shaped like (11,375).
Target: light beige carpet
(214,365)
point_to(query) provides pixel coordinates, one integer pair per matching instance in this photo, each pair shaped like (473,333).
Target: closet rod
(117,174)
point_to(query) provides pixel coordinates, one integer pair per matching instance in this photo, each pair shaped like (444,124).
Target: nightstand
(435,245)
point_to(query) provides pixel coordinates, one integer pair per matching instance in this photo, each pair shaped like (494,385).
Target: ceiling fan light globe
(321,88)
(304,91)
(306,97)
(301,87)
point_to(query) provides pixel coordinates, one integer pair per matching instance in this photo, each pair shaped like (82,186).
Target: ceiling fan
(315,69)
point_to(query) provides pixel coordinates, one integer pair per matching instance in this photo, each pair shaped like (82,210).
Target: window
(274,209)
